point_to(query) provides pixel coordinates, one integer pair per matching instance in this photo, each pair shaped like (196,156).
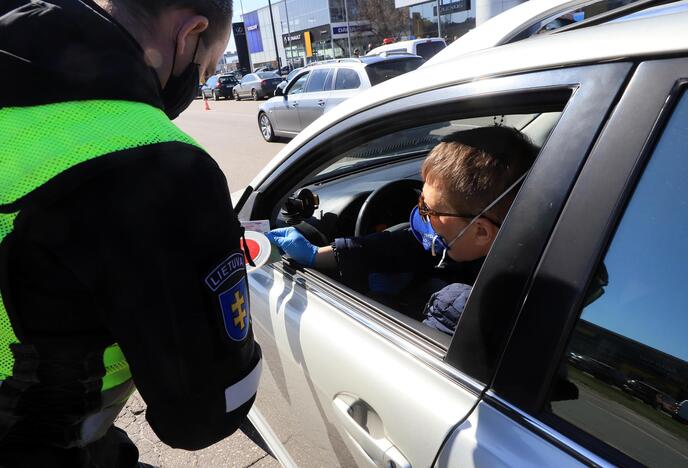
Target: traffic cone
(206,106)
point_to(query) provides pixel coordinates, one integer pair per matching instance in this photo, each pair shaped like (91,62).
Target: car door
(283,110)
(350,382)
(313,101)
(347,82)
(245,85)
(605,315)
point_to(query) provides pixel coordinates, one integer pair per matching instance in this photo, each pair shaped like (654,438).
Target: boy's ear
(485,232)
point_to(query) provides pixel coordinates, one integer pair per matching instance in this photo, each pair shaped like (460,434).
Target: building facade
(314,30)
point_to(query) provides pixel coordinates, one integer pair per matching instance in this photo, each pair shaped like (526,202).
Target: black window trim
(557,293)
(534,88)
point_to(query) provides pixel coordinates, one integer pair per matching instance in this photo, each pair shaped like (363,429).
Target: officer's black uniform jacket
(116,249)
(393,267)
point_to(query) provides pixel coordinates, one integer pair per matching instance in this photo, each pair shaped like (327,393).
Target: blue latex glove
(292,242)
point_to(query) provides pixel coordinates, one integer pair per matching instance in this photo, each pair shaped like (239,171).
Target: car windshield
(293,73)
(266,75)
(418,141)
(429,49)
(383,71)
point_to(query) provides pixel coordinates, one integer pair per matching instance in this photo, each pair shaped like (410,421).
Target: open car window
(343,187)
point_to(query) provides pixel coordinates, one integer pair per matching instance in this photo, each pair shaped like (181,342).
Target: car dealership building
(314,30)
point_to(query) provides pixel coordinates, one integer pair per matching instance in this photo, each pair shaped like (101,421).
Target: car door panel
(303,371)
(572,263)
(488,437)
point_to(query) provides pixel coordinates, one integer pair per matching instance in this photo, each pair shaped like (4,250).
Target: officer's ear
(188,36)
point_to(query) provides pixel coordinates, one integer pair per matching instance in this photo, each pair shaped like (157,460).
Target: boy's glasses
(426,212)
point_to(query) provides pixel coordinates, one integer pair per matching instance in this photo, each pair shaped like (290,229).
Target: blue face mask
(431,241)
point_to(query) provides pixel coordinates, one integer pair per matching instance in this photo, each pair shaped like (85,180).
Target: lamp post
(274,37)
(348,28)
(439,29)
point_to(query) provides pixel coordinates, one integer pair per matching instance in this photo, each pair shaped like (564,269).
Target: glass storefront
(456,19)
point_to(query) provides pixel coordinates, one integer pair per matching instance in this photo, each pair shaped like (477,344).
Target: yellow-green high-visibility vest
(37,143)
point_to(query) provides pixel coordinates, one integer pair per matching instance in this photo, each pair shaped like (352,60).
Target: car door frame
(555,297)
(284,105)
(562,155)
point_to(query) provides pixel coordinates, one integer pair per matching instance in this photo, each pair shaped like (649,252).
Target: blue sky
(249,5)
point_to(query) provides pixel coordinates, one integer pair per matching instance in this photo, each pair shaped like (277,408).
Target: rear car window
(429,49)
(317,81)
(227,79)
(347,79)
(266,75)
(383,71)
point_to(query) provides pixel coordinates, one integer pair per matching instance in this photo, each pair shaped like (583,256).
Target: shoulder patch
(224,270)
(235,306)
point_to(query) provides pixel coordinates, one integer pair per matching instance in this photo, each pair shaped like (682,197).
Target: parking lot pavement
(235,451)
(229,132)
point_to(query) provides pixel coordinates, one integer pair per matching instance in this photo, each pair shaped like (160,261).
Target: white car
(426,48)
(527,19)
(591,260)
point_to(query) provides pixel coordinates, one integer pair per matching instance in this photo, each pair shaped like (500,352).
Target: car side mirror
(279,91)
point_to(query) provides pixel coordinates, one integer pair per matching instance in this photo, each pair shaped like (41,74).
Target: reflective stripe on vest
(38,143)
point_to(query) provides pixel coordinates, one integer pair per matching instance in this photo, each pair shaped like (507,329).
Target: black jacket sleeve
(156,242)
(382,252)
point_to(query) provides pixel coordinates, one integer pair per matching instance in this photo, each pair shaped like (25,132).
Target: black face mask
(180,91)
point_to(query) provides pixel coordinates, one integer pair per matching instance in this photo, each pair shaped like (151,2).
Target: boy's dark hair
(476,166)
(218,12)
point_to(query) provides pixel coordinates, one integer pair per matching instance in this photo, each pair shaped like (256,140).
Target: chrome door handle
(365,427)
(321,102)
(296,104)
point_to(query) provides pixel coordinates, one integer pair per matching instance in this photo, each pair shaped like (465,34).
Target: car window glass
(298,85)
(429,49)
(384,70)
(328,81)
(626,366)
(347,79)
(317,81)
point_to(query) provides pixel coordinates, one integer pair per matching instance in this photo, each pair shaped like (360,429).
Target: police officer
(120,259)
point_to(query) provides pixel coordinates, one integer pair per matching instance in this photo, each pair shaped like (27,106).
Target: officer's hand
(292,242)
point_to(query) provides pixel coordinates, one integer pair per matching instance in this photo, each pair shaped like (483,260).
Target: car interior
(373,186)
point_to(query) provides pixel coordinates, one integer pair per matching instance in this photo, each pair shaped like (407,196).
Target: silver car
(590,261)
(318,88)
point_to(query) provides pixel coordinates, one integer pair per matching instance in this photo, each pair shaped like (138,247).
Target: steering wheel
(393,202)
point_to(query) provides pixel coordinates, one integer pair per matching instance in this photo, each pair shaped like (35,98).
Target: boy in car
(470,180)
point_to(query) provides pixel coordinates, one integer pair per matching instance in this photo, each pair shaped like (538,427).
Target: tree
(385,19)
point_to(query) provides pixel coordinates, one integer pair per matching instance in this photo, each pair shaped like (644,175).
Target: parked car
(682,411)
(425,48)
(643,391)
(316,89)
(667,403)
(257,85)
(350,381)
(285,81)
(219,86)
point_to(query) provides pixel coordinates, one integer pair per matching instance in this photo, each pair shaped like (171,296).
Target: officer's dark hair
(218,12)
(476,166)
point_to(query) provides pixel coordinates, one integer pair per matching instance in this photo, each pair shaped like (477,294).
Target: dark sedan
(257,85)
(219,86)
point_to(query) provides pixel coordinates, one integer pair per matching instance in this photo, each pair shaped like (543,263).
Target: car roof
(642,37)
(502,28)
(403,45)
(389,58)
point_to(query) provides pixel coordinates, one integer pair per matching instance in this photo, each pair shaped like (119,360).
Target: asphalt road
(229,132)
